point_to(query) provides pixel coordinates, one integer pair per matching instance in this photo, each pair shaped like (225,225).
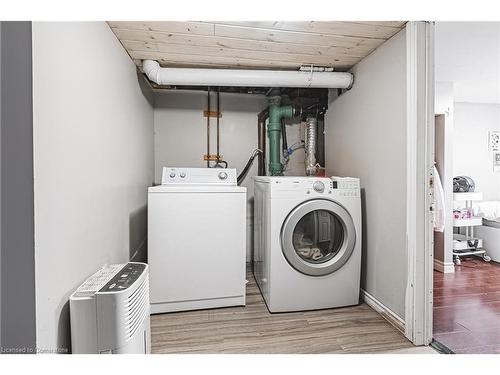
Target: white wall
(443,97)
(444,105)
(180,135)
(0,186)
(366,138)
(93,147)
(468,54)
(472,122)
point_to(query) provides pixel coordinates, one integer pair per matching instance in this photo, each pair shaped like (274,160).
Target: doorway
(466,275)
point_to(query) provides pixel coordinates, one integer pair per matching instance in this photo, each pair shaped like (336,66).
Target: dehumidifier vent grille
(136,309)
(98,280)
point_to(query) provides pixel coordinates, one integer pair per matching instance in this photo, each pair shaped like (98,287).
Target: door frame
(420,175)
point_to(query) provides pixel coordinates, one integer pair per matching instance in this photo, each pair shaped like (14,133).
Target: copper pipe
(218,131)
(208,127)
(261,130)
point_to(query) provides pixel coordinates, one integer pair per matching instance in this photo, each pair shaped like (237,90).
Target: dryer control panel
(205,176)
(311,186)
(345,182)
(346,186)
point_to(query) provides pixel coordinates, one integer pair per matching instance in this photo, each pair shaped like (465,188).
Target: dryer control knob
(222,175)
(319,186)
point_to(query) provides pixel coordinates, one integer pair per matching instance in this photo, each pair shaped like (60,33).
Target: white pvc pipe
(245,77)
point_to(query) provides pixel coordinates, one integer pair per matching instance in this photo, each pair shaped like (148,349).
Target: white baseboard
(383,310)
(443,267)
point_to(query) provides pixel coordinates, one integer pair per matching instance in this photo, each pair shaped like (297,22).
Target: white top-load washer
(307,245)
(196,240)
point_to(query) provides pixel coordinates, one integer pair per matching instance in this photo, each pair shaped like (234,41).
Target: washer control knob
(319,186)
(172,174)
(222,175)
(182,174)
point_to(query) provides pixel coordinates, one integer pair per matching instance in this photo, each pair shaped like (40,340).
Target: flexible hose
(295,147)
(290,150)
(249,163)
(310,146)
(219,164)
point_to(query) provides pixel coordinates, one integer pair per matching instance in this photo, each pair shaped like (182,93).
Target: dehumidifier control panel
(124,278)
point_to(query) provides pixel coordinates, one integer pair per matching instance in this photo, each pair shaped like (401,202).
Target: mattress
(495,223)
(489,211)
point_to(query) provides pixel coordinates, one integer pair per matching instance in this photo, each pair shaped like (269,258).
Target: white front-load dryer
(307,245)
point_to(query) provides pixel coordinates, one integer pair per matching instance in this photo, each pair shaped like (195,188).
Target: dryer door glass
(318,237)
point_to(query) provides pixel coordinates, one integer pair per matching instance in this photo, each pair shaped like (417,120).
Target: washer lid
(318,237)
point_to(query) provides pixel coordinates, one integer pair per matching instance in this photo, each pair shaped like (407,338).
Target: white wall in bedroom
(93,162)
(471,157)
(0,185)
(181,135)
(444,106)
(468,57)
(468,54)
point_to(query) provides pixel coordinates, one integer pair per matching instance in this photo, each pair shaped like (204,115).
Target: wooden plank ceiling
(263,45)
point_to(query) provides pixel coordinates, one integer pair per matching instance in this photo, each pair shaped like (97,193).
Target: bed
(490,230)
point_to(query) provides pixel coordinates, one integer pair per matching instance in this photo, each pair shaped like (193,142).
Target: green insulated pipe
(276,113)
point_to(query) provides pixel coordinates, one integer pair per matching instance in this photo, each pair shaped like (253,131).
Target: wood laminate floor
(252,329)
(467,307)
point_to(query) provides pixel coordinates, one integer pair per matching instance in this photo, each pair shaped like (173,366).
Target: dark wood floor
(252,329)
(467,307)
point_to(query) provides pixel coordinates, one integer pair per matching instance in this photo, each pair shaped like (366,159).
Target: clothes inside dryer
(318,236)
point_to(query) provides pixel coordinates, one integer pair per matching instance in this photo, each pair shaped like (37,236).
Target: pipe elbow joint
(297,111)
(351,83)
(287,111)
(152,69)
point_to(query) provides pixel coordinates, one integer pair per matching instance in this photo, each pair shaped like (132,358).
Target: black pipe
(284,143)
(249,163)
(261,127)
(320,140)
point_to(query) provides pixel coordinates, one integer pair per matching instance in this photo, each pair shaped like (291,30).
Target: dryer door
(318,237)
